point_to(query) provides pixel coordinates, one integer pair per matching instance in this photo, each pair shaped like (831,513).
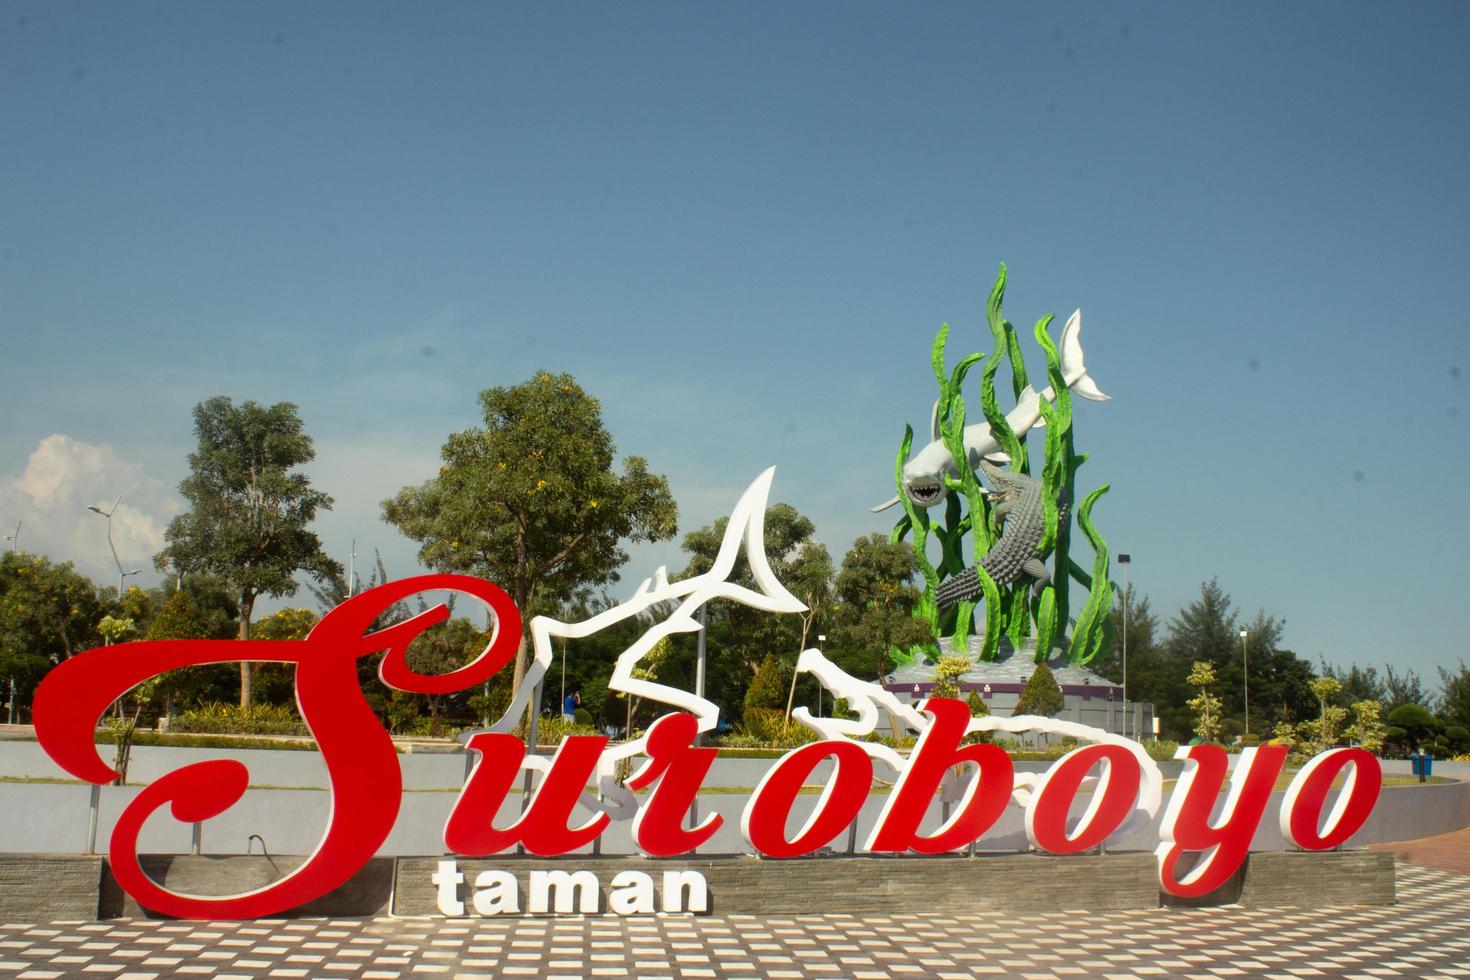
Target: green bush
(1161,751)
(551,730)
(143,736)
(767,688)
(1041,695)
(217,718)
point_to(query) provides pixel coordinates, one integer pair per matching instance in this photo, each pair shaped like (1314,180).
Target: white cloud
(62,478)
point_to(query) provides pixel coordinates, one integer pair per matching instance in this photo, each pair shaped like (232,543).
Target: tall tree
(531,501)
(1400,689)
(1208,630)
(1041,695)
(248,511)
(48,612)
(1454,699)
(1143,630)
(747,636)
(876,586)
(1358,683)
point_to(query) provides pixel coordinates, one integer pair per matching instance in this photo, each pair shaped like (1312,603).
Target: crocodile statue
(1016,498)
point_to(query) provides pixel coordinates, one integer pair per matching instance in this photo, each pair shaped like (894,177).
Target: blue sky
(739,226)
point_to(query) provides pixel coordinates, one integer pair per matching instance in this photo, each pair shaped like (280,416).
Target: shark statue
(923,474)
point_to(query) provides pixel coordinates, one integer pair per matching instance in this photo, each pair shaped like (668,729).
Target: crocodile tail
(957,588)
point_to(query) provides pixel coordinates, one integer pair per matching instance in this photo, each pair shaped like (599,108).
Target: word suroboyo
(366,783)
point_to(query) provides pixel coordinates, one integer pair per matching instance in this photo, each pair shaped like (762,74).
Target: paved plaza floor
(1424,935)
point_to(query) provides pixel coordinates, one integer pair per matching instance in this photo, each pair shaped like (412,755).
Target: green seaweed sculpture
(947,469)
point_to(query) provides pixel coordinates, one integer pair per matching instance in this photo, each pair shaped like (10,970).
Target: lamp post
(14,539)
(1245,666)
(821,640)
(113,548)
(352,571)
(1125,561)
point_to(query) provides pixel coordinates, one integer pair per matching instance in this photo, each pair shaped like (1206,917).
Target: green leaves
(1000,428)
(1041,695)
(249,513)
(916,519)
(1093,634)
(532,500)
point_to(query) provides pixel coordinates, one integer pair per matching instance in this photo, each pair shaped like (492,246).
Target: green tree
(748,635)
(214,601)
(1041,695)
(1208,629)
(441,649)
(1367,728)
(809,578)
(1358,683)
(1143,648)
(978,709)
(1454,698)
(276,683)
(653,667)
(248,511)
(179,619)
(767,688)
(1205,705)
(286,624)
(947,673)
(878,596)
(1400,689)
(117,630)
(48,613)
(531,501)
(1321,733)
(1412,726)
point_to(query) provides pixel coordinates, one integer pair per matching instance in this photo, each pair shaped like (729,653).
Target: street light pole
(14,539)
(1245,665)
(352,571)
(113,548)
(821,641)
(1125,561)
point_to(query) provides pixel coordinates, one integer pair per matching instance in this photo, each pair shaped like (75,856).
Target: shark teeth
(925,493)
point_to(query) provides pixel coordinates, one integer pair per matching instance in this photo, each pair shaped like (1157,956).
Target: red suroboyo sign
(1123,784)
(366,783)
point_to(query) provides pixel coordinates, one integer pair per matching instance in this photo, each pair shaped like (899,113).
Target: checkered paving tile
(1425,935)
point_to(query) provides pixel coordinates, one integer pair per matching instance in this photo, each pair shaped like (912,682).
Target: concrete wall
(44,888)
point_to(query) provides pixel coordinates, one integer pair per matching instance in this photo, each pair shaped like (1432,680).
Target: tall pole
(1245,666)
(14,539)
(1126,561)
(352,571)
(699,662)
(821,642)
(111,547)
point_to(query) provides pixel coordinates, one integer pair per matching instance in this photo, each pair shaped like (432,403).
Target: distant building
(1089,698)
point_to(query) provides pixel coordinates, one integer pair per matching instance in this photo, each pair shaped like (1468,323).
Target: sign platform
(53,887)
